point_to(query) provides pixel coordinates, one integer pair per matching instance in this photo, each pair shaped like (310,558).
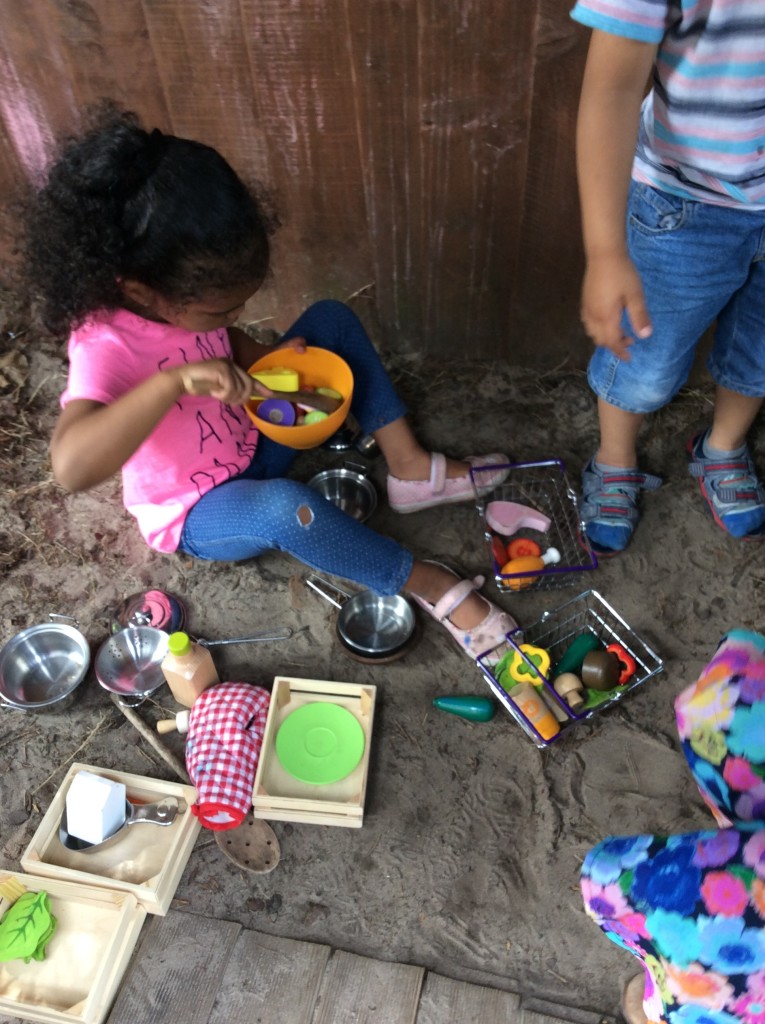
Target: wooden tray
(147,861)
(85,959)
(277,795)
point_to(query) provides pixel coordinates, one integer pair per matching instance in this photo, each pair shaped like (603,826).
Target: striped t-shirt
(702,129)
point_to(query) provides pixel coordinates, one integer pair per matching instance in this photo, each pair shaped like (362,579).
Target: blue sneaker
(735,496)
(610,509)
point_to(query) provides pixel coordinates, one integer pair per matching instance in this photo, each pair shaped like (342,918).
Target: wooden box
(85,959)
(277,794)
(146,861)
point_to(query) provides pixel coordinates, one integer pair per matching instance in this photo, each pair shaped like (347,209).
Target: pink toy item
(507,517)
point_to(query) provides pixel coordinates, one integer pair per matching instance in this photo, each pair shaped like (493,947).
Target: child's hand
(611,286)
(219,378)
(298,344)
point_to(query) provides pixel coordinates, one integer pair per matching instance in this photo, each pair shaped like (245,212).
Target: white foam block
(95,807)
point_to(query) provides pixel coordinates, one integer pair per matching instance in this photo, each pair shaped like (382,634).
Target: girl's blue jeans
(261,510)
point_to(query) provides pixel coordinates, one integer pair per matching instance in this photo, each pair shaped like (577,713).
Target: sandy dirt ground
(467,862)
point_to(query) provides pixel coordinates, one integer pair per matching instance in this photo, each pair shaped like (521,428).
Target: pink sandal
(413,495)
(490,631)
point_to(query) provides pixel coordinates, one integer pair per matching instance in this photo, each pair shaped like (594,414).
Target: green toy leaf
(23,926)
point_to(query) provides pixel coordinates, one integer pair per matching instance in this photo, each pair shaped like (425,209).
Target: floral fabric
(692,907)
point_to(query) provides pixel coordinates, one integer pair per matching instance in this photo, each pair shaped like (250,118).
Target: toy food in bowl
(317,368)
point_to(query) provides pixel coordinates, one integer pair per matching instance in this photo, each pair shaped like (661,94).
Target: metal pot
(42,666)
(369,627)
(349,488)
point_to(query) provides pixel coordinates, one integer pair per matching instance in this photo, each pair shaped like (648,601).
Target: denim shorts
(698,264)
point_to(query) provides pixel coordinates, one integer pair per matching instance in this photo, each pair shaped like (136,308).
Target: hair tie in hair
(143,165)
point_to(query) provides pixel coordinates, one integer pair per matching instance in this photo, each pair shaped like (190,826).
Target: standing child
(672,191)
(146,247)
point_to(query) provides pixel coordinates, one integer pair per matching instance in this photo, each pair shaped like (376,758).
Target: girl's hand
(219,378)
(298,344)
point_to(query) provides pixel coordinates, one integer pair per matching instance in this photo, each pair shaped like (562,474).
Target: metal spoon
(163,812)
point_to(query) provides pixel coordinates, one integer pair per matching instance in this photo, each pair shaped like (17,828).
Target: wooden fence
(422,151)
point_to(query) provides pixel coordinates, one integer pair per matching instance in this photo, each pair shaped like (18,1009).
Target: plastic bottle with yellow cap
(188,668)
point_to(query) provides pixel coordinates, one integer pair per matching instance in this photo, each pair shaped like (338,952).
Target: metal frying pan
(370,627)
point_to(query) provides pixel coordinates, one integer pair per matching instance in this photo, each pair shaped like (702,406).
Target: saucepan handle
(329,591)
(284,633)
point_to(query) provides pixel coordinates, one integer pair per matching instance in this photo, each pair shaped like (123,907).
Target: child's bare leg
(405,456)
(476,624)
(431,581)
(733,416)
(419,479)
(618,436)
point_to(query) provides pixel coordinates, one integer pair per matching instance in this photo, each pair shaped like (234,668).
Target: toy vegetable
(571,689)
(26,928)
(521,671)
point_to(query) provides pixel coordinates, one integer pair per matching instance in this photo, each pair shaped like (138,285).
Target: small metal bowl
(130,663)
(349,488)
(42,666)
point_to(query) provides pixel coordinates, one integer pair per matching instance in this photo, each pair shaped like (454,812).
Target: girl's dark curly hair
(120,202)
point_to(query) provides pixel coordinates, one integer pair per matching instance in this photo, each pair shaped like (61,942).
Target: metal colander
(130,662)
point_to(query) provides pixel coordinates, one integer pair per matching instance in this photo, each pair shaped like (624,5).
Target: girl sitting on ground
(146,247)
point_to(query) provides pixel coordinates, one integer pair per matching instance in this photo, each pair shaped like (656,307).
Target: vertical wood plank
(549,276)
(444,94)
(305,93)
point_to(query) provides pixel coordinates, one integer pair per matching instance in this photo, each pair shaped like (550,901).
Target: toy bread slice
(278,378)
(507,517)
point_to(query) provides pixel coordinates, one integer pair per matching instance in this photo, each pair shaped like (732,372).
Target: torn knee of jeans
(305,515)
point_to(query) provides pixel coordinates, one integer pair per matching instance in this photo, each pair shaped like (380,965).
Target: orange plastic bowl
(317,368)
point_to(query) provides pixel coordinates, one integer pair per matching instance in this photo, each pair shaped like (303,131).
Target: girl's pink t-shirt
(199,443)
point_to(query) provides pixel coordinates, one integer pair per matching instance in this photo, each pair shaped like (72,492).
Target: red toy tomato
(522,547)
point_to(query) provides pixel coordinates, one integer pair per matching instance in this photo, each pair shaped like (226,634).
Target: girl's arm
(615,78)
(247,351)
(92,441)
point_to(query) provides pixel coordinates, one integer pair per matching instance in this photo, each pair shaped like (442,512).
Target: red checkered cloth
(226,727)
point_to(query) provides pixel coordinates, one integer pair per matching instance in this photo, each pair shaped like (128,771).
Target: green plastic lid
(320,743)
(179,643)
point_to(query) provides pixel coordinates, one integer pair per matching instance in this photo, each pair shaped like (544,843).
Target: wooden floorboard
(445,1001)
(358,990)
(176,971)
(194,970)
(270,980)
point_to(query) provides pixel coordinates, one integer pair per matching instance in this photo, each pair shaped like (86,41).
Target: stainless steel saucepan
(369,626)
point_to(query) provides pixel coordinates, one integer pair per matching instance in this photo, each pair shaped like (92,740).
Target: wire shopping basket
(552,521)
(590,615)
